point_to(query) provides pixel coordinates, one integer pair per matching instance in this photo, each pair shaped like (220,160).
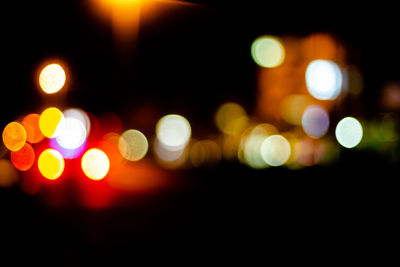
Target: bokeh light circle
(231,118)
(51,164)
(73,135)
(173,131)
(14,136)
(324,79)
(315,121)
(31,125)
(80,115)
(23,159)
(133,145)
(205,153)
(349,132)
(168,156)
(275,150)
(95,164)
(252,151)
(52,78)
(51,122)
(293,106)
(267,52)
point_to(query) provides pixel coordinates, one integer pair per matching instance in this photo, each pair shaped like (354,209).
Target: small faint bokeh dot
(95,164)
(231,118)
(349,132)
(14,136)
(8,174)
(133,145)
(267,52)
(52,78)
(51,164)
(293,106)
(170,158)
(205,153)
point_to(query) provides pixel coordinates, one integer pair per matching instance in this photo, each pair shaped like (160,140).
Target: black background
(190,59)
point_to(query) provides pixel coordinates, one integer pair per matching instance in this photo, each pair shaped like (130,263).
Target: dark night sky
(190,58)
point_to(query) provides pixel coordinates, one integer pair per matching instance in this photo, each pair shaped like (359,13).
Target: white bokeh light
(349,132)
(79,115)
(73,135)
(324,79)
(173,132)
(52,78)
(276,150)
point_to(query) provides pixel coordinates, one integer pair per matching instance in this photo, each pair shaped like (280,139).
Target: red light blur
(23,159)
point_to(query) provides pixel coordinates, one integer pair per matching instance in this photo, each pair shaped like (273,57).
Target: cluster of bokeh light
(54,137)
(293,129)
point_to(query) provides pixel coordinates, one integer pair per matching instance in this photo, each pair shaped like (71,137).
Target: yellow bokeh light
(267,52)
(133,145)
(252,152)
(95,164)
(230,146)
(173,131)
(51,164)
(51,122)
(205,153)
(349,132)
(52,78)
(14,136)
(231,119)
(251,142)
(275,150)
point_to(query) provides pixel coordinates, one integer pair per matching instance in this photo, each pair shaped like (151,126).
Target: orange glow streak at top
(124,15)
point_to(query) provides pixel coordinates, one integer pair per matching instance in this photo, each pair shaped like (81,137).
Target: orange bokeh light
(23,159)
(14,136)
(31,125)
